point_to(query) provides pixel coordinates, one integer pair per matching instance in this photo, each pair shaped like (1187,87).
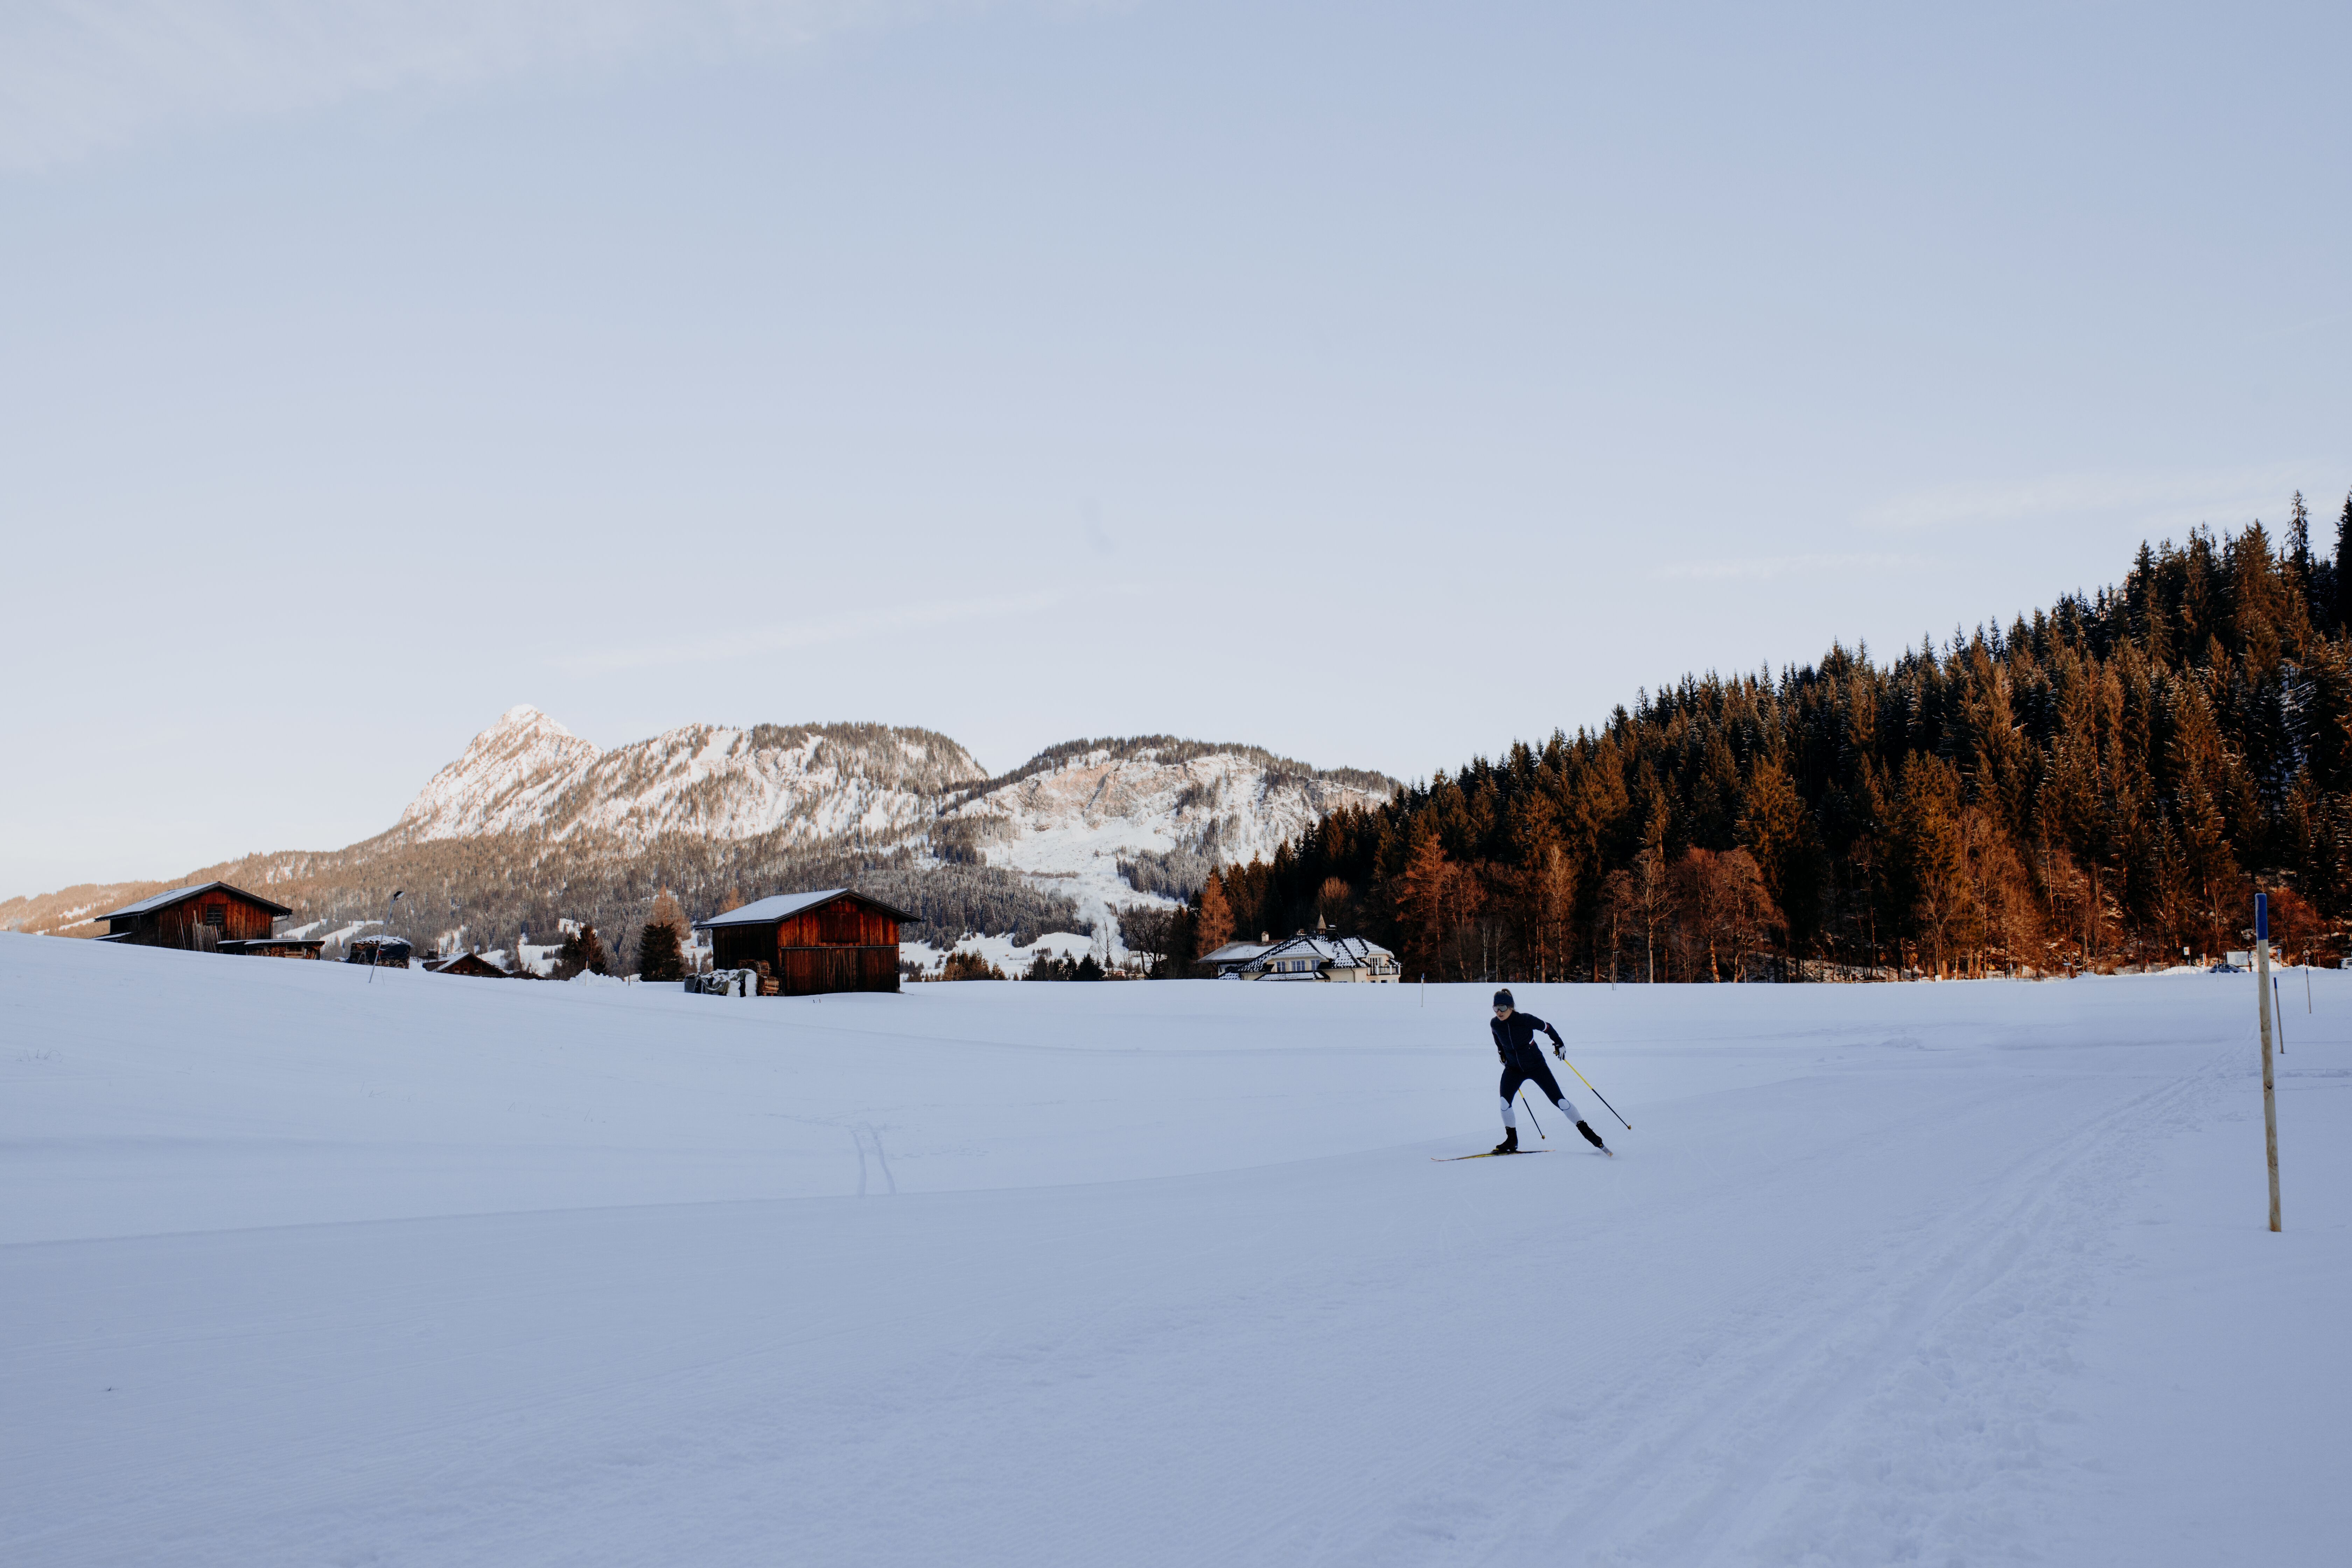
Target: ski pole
(1598,1095)
(1531,1116)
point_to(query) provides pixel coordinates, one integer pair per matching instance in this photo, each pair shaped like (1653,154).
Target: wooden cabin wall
(842,923)
(183,925)
(812,971)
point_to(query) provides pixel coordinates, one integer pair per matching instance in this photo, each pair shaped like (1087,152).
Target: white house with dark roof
(1321,956)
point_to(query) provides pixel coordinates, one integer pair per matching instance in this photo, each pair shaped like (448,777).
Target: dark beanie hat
(1503,999)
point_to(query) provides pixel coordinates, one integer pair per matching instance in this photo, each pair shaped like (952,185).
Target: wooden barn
(211,917)
(835,940)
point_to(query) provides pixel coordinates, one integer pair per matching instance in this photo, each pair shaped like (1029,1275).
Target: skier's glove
(1559,1053)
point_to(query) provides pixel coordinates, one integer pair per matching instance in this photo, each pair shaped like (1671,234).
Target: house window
(217,914)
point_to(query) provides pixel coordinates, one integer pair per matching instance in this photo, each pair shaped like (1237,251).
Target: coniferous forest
(2105,783)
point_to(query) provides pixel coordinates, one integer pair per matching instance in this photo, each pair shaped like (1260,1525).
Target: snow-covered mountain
(817,782)
(509,777)
(1067,819)
(1073,813)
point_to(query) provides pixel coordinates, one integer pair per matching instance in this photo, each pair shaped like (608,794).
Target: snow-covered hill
(1067,819)
(527,773)
(1076,812)
(509,778)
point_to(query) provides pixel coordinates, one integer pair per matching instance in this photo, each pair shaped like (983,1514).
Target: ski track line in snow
(881,1159)
(1450,1513)
(1624,1416)
(2004,1238)
(1778,1410)
(1792,1387)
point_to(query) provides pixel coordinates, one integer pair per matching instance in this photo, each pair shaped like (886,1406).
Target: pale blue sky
(1376,384)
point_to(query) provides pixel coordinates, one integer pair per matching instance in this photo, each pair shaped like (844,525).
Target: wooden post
(2270,1092)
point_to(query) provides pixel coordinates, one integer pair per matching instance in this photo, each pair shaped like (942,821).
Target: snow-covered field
(296,1267)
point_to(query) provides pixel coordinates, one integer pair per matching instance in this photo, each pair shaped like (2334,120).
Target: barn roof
(148,906)
(783,906)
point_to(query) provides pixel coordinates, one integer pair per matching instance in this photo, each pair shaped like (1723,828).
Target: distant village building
(1321,956)
(836,939)
(210,917)
(472,964)
(382,951)
(276,946)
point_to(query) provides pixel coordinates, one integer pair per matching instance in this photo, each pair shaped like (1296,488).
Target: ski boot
(1591,1137)
(1510,1143)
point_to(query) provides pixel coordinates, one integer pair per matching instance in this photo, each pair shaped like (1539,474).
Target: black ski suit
(1515,1042)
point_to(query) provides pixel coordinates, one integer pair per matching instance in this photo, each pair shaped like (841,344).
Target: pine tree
(590,947)
(661,945)
(658,952)
(1212,926)
(1423,900)
(666,911)
(2344,566)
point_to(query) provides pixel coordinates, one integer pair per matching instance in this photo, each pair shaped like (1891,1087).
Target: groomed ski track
(449,1271)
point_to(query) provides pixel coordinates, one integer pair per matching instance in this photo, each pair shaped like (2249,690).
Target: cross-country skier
(1515,1042)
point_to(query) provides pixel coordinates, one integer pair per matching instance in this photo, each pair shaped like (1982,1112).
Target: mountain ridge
(532,822)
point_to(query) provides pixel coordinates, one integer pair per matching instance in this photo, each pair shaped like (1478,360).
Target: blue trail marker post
(2270,1092)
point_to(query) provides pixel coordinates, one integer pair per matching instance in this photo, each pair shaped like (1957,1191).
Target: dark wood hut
(472,964)
(276,946)
(211,917)
(380,951)
(836,939)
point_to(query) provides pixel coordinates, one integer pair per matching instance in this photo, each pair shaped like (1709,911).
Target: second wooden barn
(836,939)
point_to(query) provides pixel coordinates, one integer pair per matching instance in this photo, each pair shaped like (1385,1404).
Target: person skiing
(1515,1042)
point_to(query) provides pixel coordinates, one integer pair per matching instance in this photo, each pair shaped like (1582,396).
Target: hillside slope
(811,781)
(1085,814)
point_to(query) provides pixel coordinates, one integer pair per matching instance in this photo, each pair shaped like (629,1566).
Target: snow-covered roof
(783,906)
(441,961)
(1346,951)
(148,905)
(1236,953)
